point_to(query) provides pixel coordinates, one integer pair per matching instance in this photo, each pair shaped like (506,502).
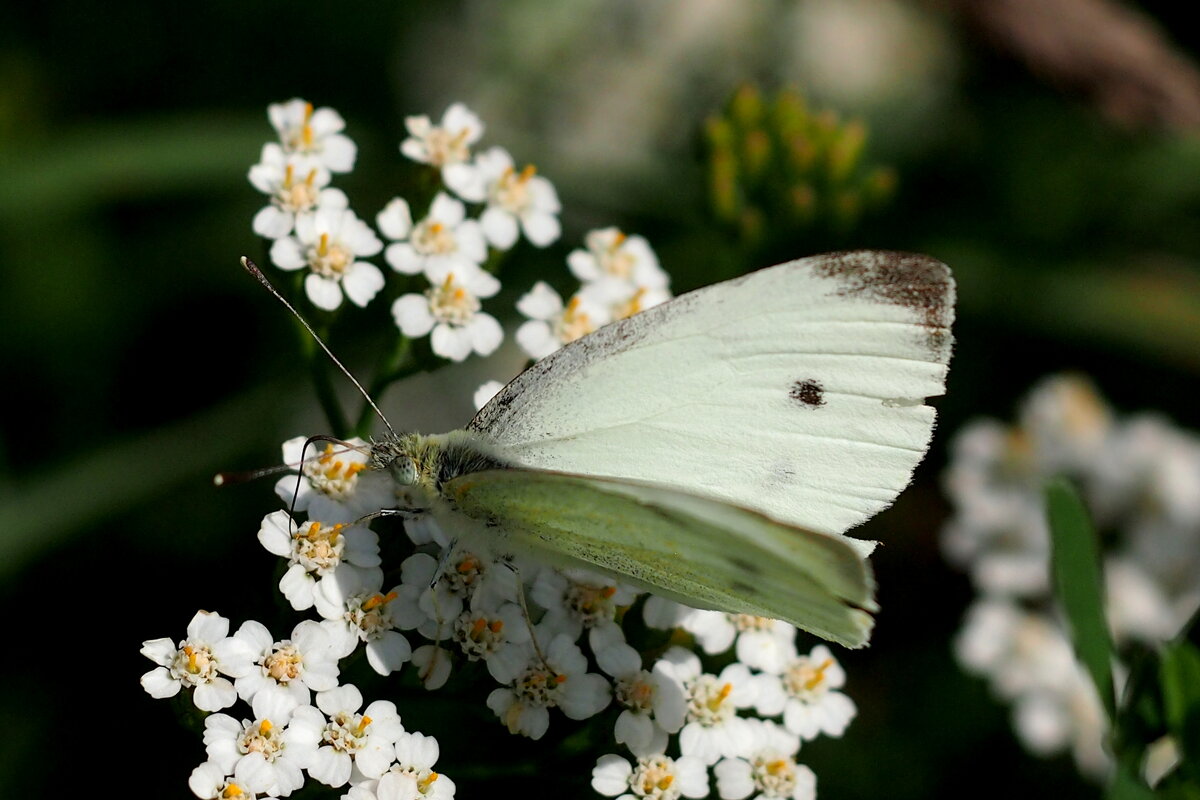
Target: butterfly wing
(797,390)
(696,550)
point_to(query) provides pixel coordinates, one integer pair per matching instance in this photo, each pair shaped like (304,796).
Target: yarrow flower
(449,311)
(517,201)
(264,752)
(203,662)
(444,241)
(340,737)
(657,777)
(317,133)
(446,146)
(334,484)
(552,323)
(330,243)
(295,184)
(316,552)
(535,685)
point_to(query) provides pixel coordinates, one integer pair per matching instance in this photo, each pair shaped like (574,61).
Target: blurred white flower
(517,202)
(315,133)
(443,242)
(552,324)
(446,145)
(295,184)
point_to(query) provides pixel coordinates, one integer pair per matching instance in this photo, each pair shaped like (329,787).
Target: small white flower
(330,243)
(551,324)
(443,242)
(201,662)
(450,310)
(261,751)
(297,665)
(655,777)
(481,633)
(763,643)
(811,704)
(561,681)
(653,705)
(315,552)
(349,738)
(445,145)
(416,754)
(295,184)
(713,730)
(577,599)
(769,770)
(210,782)
(356,611)
(313,133)
(610,255)
(335,484)
(516,202)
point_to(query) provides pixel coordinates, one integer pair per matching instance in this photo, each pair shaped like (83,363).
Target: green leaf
(1179,674)
(1078,584)
(1128,786)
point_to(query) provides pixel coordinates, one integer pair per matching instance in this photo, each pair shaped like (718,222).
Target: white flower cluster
(551,640)
(487,206)
(1140,478)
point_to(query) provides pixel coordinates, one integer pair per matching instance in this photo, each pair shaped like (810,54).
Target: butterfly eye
(404,470)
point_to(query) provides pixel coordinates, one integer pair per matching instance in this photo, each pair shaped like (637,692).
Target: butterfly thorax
(428,462)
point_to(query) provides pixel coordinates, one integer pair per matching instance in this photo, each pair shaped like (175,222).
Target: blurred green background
(1064,192)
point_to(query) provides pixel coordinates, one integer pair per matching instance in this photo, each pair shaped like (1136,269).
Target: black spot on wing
(808,393)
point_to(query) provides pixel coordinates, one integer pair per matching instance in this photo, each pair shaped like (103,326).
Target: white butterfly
(712,449)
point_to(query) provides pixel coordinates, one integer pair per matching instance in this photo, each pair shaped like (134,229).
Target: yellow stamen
(265,726)
(818,675)
(192,656)
(560,679)
(288,175)
(496,626)
(608,591)
(715,702)
(323,250)
(232,790)
(666,781)
(362,726)
(527,173)
(424,784)
(776,767)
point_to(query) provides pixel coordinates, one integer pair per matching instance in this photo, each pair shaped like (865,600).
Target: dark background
(139,359)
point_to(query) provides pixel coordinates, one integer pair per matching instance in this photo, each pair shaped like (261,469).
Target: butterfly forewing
(796,390)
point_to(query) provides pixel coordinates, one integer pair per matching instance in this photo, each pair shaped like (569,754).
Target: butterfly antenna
(253,269)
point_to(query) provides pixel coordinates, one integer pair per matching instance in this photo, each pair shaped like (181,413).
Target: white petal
(362,282)
(486,334)
(286,253)
(404,258)
(412,315)
(395,221)
(541,228)
(388,653)
(450,342)
(500,227)
(323,292)
(273,222)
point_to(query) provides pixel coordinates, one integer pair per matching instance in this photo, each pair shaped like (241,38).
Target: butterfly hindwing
(693,549)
